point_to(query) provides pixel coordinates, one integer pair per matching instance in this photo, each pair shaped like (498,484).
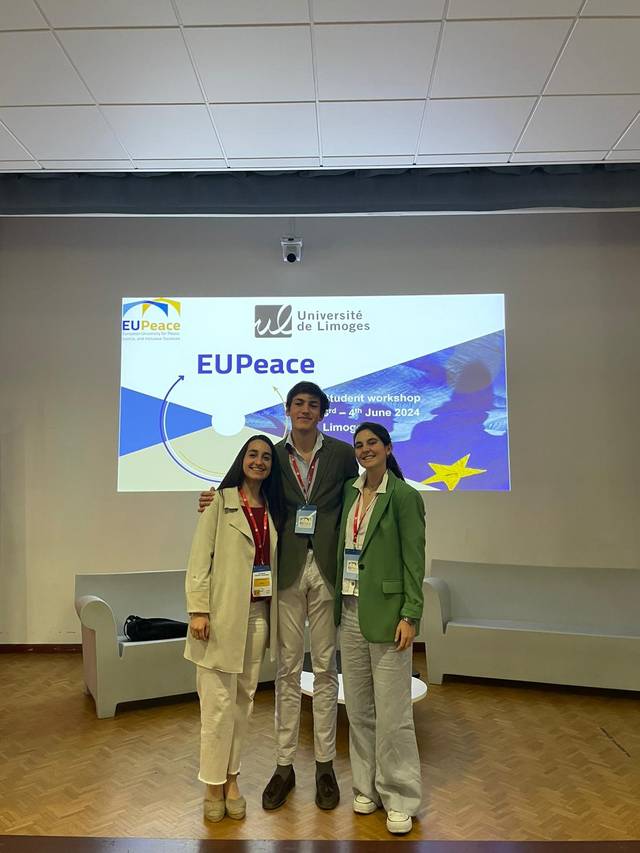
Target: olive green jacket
(336,465)
(392,560)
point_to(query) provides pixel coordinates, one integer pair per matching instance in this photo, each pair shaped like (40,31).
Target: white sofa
(578,626)
(118,670)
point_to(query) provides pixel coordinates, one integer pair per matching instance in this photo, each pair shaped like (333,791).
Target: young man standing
(315,468)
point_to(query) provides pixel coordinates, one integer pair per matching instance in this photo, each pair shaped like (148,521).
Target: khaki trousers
(226,703)
(385,764)
(309,598)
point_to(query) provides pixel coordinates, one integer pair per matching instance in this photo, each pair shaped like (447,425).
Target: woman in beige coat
(231,599)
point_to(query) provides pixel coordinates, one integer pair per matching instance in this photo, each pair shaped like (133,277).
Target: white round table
(418,687)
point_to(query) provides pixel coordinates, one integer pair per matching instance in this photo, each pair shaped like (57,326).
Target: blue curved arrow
(165,439)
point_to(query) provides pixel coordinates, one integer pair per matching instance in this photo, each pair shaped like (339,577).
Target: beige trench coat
(218,582)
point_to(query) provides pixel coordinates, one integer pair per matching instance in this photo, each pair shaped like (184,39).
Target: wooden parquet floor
(500,762)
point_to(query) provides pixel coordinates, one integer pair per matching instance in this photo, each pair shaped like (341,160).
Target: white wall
(573,305)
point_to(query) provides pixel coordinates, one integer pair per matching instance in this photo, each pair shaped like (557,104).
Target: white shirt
(303,465)
(350,587)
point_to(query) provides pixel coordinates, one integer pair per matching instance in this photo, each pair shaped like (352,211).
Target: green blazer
(392,562)
(336,465)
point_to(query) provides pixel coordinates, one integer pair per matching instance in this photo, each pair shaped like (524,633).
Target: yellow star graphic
(451,475)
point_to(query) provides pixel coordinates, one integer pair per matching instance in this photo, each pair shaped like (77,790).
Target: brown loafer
(277,790)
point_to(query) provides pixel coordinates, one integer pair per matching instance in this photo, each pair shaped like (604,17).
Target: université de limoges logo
(273,321)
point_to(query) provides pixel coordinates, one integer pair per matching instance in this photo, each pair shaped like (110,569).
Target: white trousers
(309,598)
(385,764)
(226,703)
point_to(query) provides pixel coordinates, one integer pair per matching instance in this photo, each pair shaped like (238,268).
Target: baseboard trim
(40,648)
(75,648)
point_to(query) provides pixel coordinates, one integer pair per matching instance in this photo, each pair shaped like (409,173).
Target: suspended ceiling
(97,85)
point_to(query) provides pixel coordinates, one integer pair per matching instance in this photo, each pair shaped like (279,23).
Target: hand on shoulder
(205,499)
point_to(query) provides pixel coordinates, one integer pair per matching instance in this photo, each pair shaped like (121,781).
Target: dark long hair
(271,487)
(385,438)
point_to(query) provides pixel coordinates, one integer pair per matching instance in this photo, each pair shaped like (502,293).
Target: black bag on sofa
(138,629)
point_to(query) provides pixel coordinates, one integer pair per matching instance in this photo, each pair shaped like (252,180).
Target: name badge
(261,585)
(306,519)
(350,566)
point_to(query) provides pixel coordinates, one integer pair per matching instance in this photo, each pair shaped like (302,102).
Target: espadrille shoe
(213,809)
(236,808)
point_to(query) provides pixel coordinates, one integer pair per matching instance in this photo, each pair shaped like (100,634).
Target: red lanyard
(254,526)
(358,520)
(306,490)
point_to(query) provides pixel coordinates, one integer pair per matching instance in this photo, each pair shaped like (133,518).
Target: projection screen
(201,375)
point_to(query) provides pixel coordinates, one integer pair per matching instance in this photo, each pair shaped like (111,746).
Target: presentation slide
(201,375)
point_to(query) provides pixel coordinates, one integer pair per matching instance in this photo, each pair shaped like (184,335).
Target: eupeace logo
(161,303)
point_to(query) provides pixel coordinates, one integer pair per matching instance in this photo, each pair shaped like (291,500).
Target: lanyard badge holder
(261,578)
(307,514)
(350,565)
(350,569)
(306,519)
(261,582)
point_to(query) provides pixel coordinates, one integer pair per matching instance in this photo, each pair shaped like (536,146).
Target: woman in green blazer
(381,563)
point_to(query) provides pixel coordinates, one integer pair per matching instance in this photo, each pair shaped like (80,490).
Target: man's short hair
(313,390)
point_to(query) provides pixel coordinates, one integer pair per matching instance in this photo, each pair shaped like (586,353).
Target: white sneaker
(363,805)
(398,822)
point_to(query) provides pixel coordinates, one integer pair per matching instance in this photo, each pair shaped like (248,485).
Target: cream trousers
(226,703)
(309,598)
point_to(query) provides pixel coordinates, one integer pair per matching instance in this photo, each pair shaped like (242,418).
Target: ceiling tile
(374,61)
(369,162)
(160,132)
(513,8)
(611,8)
(87,165)
(267,130)
(252,64)
(601,56)
(462,159)
(487,58)
(579,124)
(62,133)
(9,148)
(114,13)
(168,165)
(559,157)
(20,15)
(476,125)
(134,66)
(274,163)
(624,156)
(19,166)
(371,128)
(377,10)
(202,12)
(631,139)
(34,70)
